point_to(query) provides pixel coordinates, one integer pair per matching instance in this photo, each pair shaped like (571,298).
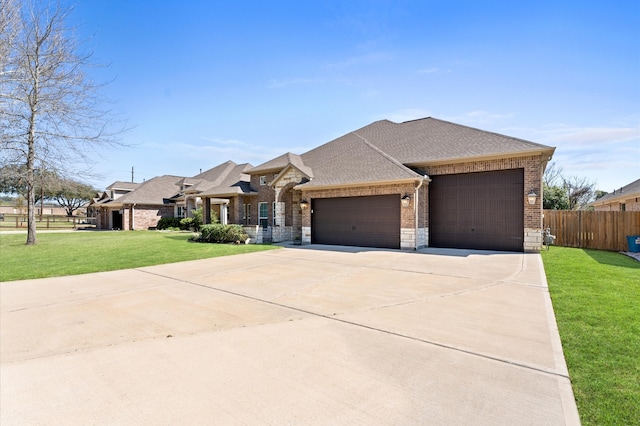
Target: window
(274,214)
(263,214)
(263,180)
(246,211)
(180,211)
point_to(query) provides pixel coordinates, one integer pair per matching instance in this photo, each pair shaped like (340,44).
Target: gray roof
(129,186)
(279,163)
(631,190)
(155,191)
(351,159)
(233,181)
(388,151)
(429,140)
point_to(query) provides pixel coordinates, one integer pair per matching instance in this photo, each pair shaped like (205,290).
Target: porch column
(223,213)
(206,211)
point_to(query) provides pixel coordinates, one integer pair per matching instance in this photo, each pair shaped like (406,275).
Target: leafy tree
(565,193)
(13,180)
(599,194)
(71,195)
(554,198)
(50,114)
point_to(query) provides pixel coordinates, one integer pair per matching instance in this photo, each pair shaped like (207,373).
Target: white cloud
(595,135)
(368,59)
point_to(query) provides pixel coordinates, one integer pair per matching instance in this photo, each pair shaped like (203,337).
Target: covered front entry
(116,219)
(477,210)
(371,221)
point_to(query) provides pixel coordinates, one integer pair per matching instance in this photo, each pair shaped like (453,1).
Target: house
(133,206)
(425,182)
(407,185)
(626,198)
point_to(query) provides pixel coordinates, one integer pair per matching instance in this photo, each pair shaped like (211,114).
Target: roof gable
(155,191)
(351,159)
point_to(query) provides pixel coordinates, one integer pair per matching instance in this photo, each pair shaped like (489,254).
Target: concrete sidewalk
(313,335)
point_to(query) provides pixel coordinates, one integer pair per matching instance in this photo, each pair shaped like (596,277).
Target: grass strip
(596,299)
(80,252)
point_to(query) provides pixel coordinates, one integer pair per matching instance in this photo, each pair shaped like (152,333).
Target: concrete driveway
(313,335)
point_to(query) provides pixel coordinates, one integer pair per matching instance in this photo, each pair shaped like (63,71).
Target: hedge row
(217,233)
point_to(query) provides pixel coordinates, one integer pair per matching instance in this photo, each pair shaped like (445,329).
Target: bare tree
(580,191)
(51,112)
(553,175)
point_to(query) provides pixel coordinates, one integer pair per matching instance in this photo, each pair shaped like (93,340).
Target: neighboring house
(408,185)
(140,206)
(626,198)
(106,216)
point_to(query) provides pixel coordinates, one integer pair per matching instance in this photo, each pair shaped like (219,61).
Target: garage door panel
(477,210)
(371,221)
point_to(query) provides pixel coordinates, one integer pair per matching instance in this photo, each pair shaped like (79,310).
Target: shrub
(217,233)
(168,222)
(188,223)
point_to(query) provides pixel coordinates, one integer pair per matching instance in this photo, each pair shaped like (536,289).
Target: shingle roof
(130,186)
(235,180)
(631,190)
(351,159)
(385,151)
(279,163)
(155,191)
(431,140)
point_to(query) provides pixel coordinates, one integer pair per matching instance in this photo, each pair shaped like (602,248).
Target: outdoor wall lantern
(405,200)
(531,197)
(304,204)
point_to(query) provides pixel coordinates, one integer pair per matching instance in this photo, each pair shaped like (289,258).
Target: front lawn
(79,252)
(596,299)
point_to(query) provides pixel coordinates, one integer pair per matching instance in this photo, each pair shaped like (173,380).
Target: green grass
(59,254)
(596,299)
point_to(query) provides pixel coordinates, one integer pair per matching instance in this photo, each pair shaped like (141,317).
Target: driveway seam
(393,333)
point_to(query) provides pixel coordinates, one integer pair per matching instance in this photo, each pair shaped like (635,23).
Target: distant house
(408,185)
(133,206)
(626,198)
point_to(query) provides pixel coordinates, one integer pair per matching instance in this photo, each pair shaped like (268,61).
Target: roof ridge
(481,130)
(384,154)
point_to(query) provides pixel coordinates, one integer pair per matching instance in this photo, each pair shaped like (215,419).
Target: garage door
(477,210)
(357,221)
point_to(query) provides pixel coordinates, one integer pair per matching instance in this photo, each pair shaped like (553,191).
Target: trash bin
(633,241)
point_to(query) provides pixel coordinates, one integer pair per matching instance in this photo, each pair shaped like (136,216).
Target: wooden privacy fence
(591,229)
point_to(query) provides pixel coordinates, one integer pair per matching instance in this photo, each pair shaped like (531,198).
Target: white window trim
(263,180)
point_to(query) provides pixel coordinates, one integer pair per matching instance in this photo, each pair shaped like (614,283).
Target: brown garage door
(357,221)
(477,210)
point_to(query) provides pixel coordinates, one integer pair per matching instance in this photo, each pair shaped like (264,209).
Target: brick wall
(145,217)
(266,194)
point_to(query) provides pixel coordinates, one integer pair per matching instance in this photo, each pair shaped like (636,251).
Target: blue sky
(208,81)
